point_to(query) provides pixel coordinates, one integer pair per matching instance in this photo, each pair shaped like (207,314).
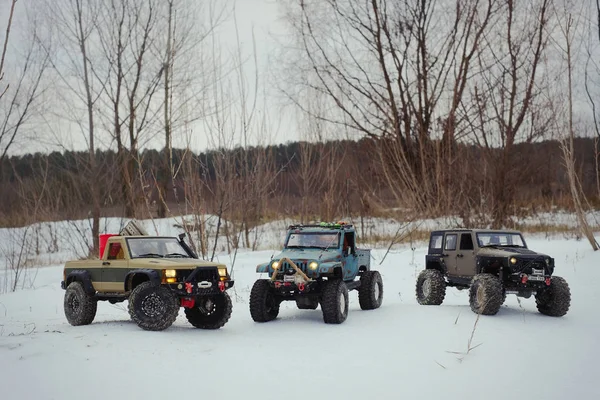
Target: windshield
(155,247)
(500,239)
(313,240)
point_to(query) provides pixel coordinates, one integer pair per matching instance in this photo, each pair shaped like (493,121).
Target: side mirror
(181,236)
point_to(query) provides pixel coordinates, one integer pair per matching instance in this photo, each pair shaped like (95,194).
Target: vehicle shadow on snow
(506,312)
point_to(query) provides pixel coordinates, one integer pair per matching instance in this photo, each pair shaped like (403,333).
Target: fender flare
(439,265)
(151,274)
(82,276)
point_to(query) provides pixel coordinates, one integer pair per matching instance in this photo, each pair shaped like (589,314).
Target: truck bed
(364,257)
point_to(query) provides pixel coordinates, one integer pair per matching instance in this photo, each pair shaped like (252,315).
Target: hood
(509,251)
(171,263)
(309,254)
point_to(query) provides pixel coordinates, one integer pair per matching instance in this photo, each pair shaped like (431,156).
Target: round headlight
(313,265)
(513,260)
(275,264)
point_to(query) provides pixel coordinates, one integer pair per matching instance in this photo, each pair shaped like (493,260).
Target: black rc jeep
(491,264)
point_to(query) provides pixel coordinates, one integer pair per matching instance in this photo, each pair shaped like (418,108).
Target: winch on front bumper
(536,279)
(290,287)
(201,281)
(202,288)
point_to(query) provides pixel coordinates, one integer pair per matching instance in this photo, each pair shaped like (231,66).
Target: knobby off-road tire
(486,294)
(370,292)
(153,307)
(555,300)
(431,288)
(80,308)
(210,312)
(264,306)
(334,302)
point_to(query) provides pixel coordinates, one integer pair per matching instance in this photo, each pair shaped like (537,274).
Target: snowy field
(400,351)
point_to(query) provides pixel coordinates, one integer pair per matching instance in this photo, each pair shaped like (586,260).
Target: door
(114,269)
(349,256)
(465,256)
(449,253)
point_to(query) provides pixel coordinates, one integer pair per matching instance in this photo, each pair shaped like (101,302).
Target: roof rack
(133,228)
(324,225)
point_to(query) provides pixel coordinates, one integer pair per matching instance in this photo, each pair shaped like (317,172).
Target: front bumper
(291,288)
(203,288)
(529,281)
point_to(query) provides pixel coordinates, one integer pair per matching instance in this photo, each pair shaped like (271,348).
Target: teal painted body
(336,257)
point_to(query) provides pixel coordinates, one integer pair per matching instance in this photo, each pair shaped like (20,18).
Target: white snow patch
(400,351)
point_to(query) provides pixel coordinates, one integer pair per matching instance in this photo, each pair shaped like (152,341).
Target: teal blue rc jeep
(319,264)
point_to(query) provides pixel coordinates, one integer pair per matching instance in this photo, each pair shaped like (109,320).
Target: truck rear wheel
(153,307)
(264,307)
(486,294)
(210,312)
(370,292)
(334,302)
(80,307)
(431,288)
(554,300)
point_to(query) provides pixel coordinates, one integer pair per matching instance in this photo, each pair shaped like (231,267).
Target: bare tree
(25,86)
(72,24)
(186,77)
(6,41)
(508,108)
(397,72)
(568,28)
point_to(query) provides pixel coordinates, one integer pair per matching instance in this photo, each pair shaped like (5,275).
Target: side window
(435,243)
(466,241)
(115,252)
(348,247)
(450,242)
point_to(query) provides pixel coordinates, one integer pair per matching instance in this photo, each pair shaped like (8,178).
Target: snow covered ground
(400,351)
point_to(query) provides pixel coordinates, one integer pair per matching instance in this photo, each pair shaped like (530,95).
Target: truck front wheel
(153,307)
(80,308)
(264,307)
(334,302)
(210,312)
(555,300)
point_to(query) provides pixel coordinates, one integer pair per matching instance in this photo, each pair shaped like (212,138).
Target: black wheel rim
(207,306)
(153,306)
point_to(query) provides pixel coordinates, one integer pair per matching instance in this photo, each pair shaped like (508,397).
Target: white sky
(260,18)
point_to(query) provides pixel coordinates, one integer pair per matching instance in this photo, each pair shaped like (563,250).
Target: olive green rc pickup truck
(157,274)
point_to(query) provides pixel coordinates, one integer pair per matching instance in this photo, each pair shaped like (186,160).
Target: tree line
(310,181)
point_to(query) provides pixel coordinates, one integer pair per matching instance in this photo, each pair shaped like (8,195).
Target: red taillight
(548,281)
(301,287)
(221,286)
(188,287)
(277,284)
(524,279)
